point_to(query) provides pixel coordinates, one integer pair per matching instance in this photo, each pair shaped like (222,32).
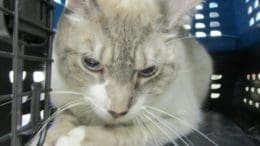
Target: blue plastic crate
(59,6)
(220,25)
(225,25)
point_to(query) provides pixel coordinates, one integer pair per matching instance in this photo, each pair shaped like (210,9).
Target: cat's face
(120,60)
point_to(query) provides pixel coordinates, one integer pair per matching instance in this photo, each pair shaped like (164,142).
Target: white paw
(73,138)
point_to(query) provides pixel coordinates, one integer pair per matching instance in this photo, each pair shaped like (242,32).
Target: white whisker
(187,139)
(78,94)
(183,122)
(161,129)
(67,92)
(57,112)
(162,121)
(95,105)
(149,130)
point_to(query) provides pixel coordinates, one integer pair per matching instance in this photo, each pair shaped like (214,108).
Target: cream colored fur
(116,32)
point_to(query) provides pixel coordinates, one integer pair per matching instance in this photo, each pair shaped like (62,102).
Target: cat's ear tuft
(177,12)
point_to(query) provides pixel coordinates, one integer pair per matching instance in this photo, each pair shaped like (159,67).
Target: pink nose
(117,114)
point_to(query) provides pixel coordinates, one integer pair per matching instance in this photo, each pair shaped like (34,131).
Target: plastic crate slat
(7,11)
(48,3)
(6,54)
(11,13)
(25,57)
(5,137)
(34,58)
(8,40)
(9,96)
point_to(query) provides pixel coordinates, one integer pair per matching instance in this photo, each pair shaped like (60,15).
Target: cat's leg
(61,126)
(103,136)
(156,133)
(148,135)
(88,136)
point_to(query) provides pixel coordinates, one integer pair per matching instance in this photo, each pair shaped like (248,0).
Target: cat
(136,79)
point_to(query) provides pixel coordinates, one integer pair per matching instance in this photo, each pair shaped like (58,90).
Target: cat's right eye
(149,71)
(92,64)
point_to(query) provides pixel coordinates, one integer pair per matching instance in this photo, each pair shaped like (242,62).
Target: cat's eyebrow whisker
(160,128)
(162,121)
(183,122)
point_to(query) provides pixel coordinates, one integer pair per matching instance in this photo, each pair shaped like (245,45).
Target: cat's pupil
(148,71)
(92,64)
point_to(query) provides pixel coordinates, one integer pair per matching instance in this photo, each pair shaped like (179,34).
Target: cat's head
(118,53)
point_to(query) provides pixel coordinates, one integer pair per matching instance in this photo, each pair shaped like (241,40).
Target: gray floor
(221,130)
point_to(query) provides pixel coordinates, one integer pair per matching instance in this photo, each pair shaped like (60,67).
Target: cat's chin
(111,125)
(116,122)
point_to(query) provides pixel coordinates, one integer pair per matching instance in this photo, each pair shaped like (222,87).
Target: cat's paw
(74,138)
(86,136)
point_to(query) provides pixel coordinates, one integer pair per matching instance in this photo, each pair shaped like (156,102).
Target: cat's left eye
(91,64)
(147,72)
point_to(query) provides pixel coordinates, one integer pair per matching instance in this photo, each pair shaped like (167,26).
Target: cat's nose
(117,114)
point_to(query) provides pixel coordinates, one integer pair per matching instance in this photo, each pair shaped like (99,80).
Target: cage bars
(18,81)
(18,57)
(48,77)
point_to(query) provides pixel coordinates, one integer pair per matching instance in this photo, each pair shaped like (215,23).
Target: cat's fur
(127,36)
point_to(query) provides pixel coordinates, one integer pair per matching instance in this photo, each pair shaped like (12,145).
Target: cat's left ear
(177,12)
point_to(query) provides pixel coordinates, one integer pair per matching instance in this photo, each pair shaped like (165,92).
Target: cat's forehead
(128,44)
(119,40)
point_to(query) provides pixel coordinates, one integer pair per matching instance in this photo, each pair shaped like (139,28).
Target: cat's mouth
(116,122)
(112,125)
(111,121)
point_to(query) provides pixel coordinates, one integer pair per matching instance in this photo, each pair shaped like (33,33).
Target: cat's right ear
(80,7)
(72,6)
